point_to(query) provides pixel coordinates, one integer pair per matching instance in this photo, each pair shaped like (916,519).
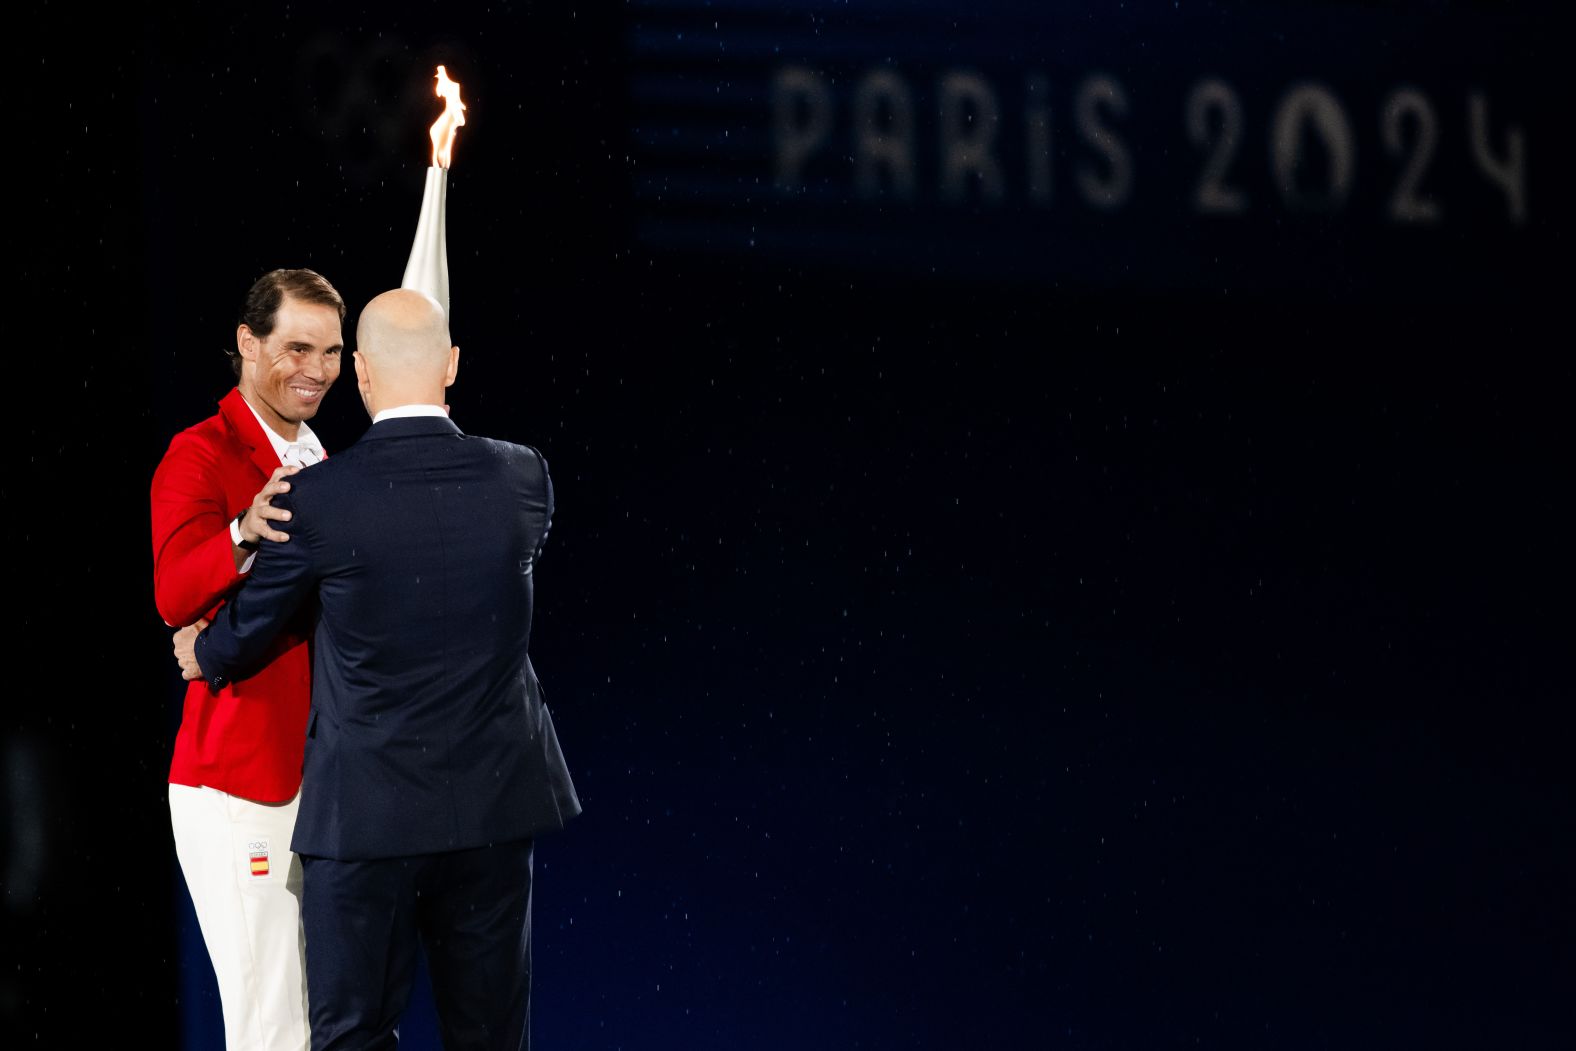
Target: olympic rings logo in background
(370,102)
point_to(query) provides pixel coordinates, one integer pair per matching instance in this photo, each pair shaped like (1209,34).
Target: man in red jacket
(236,771)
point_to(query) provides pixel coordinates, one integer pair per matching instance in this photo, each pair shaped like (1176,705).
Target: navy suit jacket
(428,732)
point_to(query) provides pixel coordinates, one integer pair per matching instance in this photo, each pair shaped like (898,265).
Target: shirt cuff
(235,538)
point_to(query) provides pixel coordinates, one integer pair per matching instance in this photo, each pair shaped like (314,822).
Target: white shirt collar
(400,412)
(306,439)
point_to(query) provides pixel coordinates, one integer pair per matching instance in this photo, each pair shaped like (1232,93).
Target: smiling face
(285,374)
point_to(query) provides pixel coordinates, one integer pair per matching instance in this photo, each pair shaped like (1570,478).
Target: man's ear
(363,373)
(246,342)
(454,367)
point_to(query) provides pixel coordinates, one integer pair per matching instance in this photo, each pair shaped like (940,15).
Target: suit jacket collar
(410,427)
(245,425)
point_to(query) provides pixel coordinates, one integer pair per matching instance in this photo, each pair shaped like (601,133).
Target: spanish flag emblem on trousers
(259,862)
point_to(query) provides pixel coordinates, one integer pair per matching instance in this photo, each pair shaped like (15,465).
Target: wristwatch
(239,537)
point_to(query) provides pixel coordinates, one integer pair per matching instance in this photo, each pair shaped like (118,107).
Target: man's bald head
(404,323)
(403,354)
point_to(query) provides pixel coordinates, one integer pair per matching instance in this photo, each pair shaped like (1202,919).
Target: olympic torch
(428,268)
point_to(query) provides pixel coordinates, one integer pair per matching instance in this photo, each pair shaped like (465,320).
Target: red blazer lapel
(244,423)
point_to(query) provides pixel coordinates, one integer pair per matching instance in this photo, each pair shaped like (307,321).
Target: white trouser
(246,887)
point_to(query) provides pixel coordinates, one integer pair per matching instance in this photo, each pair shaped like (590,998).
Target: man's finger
(259,515)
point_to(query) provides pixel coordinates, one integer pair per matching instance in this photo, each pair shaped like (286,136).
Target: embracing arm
(233,646)
(195,557)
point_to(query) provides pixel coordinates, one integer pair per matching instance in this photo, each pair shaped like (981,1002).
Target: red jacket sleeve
(193,564)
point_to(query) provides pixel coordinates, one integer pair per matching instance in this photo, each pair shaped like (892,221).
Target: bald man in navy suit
(431,762)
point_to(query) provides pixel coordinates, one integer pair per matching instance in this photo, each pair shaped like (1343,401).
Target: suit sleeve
(282,578)
(193,564)
(547,525)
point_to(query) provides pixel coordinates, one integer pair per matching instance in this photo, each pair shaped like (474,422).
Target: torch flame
(451,120)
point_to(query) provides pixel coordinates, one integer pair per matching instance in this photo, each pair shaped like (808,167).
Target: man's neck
(289,430)
(409,408)
(402,398)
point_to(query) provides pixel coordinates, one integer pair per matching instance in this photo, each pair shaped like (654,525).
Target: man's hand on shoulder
(254,524)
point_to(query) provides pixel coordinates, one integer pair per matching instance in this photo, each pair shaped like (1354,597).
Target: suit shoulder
(200,446)
(321,475)
(516,455)
(208,434)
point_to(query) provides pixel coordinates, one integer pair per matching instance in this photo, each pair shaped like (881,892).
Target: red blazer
(246,739)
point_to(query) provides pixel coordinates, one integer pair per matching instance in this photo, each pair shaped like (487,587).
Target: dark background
(968,624)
